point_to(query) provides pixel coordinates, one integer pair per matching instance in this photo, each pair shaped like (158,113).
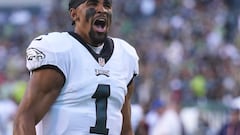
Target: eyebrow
(108,1)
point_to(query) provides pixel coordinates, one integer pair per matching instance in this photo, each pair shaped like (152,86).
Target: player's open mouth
(100,25)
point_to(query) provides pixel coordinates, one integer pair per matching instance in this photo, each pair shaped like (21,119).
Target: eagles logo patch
(34,54)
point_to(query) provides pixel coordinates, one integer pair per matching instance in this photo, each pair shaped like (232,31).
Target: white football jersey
(95,84)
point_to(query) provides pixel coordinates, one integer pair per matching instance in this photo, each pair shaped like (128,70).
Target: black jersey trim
(52,67)
(106,52)
(134,75)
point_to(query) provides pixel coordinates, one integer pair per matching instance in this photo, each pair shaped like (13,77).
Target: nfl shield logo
(101,61)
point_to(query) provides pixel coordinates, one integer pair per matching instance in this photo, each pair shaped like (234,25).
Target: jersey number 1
(101,95)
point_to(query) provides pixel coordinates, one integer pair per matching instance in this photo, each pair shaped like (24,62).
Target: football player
(81,82)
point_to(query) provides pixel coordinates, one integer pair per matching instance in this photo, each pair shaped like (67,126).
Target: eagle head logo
(34,54)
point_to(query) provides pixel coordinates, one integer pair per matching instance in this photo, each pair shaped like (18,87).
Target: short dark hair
(75,3)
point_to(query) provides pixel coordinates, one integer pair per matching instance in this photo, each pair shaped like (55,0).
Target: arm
(126,112)
(43,89)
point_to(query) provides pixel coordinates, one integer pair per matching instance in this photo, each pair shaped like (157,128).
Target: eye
(108,4)
(92,3)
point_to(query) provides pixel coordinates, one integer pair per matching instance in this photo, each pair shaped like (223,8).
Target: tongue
(98,28)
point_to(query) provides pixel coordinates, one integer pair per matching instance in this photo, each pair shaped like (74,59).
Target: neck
(97,49)
(87,39)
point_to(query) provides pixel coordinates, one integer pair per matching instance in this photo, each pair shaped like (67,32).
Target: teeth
(101,20)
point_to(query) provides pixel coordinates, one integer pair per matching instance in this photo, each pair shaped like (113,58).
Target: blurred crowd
(189,60)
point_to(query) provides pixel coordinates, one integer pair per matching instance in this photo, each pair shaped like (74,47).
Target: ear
(73,14)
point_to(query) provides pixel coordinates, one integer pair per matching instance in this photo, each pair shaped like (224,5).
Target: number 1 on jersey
(101,95)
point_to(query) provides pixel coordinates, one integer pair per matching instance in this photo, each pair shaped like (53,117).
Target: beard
(97,38)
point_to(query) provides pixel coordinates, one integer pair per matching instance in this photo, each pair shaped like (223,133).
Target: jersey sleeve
(133,57)
(41,53)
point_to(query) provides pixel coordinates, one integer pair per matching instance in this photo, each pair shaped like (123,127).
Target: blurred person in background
(231,25)
(7,113)
(170,122)
(232,127)
(155,114)
(81,82)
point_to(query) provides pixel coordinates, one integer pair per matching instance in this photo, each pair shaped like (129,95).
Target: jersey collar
(106,52)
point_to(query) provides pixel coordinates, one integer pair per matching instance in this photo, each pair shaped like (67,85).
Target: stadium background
(189,53)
